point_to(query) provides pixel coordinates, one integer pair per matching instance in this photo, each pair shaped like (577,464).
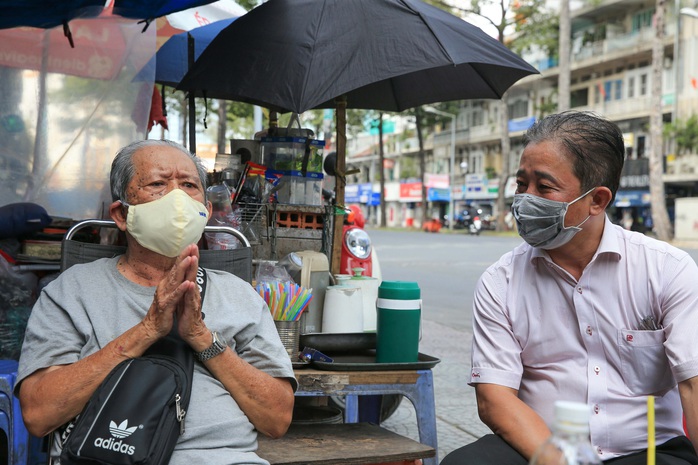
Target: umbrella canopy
(47,14)
(139,9)
(294,55)
(171,61)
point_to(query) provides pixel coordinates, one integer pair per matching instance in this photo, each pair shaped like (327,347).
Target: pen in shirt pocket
(648,323)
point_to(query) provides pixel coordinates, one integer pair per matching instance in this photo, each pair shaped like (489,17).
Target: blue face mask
(541,222)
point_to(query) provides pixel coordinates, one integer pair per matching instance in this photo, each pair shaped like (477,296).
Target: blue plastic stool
(22,448)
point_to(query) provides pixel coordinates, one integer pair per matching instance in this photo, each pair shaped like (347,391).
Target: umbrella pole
(340,168)
(191,104)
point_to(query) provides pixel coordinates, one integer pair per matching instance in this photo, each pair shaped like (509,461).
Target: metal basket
(253,221)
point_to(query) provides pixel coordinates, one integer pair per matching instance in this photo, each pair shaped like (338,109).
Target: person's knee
(488,450)
(456,457)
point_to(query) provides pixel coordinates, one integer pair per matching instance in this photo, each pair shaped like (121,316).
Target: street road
(446,267)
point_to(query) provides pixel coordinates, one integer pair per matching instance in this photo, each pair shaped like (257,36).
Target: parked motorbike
(357,251)
(469,219)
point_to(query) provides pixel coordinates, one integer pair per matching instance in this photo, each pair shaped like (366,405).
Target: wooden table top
(347,444)
(310,379)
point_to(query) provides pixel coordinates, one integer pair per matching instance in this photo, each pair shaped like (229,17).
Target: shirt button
(596,408)
(597,370)
(599,451)
(589,331)
(579,289)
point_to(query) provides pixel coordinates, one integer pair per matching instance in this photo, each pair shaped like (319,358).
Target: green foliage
(686,134)
(536,26)
(240,120)
(104,94)
(248,4)
(547,107)
(409,168)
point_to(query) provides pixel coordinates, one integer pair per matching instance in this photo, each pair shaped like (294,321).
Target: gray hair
(122,169)
(593,144)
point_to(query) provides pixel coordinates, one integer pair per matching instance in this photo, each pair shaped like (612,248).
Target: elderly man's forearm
(267,401)
(52,396)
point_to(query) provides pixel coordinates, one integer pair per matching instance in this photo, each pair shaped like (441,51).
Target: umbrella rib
(487,81)
(431,29)
(312,55)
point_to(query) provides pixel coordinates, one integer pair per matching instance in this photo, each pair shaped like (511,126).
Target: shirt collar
(609,240)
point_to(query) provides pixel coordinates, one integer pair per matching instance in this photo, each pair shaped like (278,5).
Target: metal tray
(297,364)
(338,342)
(366,361)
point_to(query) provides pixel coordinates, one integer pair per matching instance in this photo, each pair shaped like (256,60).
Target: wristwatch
(217,347)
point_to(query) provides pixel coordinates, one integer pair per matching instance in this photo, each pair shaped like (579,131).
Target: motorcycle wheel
(389,404)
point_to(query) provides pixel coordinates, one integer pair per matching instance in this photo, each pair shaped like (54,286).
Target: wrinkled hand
(178,294)
(189,321)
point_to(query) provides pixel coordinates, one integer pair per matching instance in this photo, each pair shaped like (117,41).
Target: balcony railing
(631,40)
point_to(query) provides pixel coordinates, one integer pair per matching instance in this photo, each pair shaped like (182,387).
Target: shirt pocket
(644,364)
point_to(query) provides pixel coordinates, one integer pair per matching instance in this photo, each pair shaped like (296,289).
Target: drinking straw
(286,301)
(650,431)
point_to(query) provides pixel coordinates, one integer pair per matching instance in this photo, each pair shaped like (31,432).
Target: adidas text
(117,446)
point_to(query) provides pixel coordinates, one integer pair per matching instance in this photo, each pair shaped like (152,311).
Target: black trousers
(493,450)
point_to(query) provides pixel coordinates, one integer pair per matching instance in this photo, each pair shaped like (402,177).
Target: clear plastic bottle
(222,215)
(569,443)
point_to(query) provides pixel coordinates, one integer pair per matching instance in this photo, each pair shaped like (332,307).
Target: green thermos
(399,309)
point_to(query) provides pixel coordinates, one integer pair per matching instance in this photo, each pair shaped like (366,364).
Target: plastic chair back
(235,261)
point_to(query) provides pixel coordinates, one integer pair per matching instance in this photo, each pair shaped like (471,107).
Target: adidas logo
(122,430)
(119,431)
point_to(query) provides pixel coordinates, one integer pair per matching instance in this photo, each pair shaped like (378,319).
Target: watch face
(218,341)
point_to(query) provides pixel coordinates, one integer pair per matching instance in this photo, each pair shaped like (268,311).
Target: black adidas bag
(137,414)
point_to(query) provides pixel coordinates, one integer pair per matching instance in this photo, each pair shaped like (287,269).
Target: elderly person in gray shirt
(98,314)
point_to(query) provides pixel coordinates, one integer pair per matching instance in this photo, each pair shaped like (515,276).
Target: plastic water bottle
(569,443)
(222,215)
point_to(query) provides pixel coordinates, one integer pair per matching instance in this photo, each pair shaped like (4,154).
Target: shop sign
(365,192)
(438,195)
(411,192)
(440,181)
(632,198)
(388,127)
(351,193)
(478,187)
(635,174)
(361,193)
(458,192)
(392,192)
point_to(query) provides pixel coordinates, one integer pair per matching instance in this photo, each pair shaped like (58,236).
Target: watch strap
(217,347)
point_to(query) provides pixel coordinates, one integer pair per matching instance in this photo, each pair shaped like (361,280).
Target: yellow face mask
(167,225)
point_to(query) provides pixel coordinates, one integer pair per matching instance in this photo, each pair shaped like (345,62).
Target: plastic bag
(222,214)
(271,271)
(17,296)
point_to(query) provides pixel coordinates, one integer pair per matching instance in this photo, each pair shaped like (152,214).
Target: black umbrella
(294,55)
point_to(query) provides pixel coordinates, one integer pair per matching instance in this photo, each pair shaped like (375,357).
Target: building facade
(611,74)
